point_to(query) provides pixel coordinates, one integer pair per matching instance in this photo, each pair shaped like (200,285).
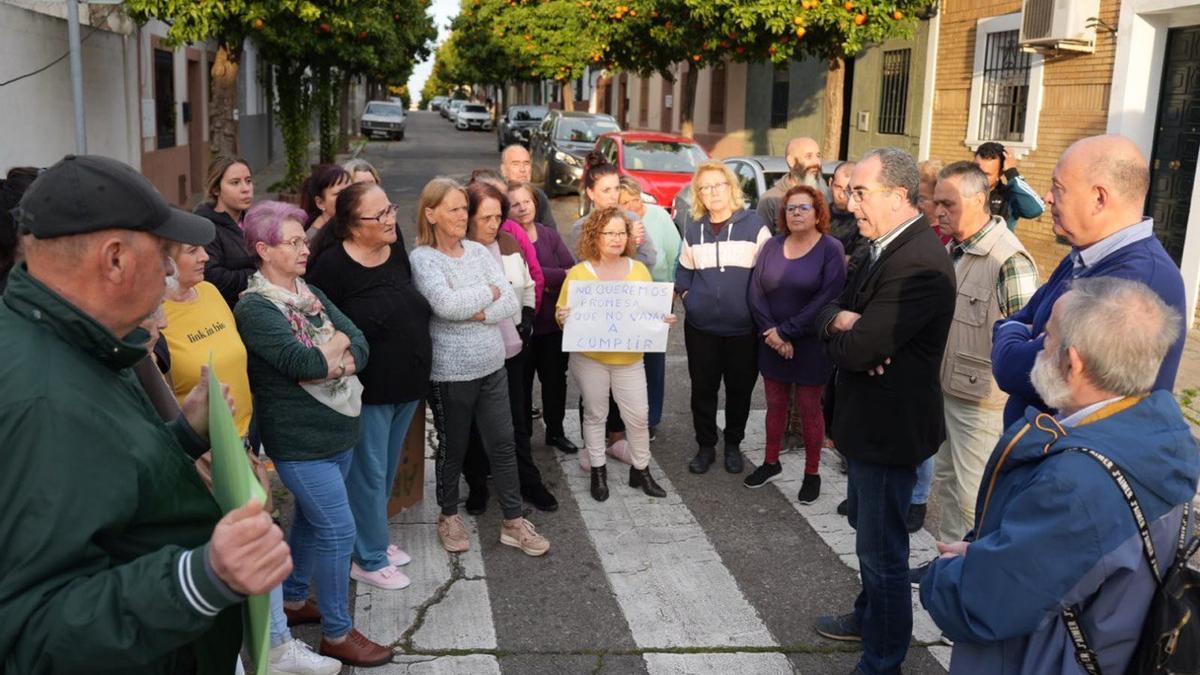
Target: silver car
(383,118)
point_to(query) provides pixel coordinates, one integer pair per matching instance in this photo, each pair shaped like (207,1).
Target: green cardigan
(294,426)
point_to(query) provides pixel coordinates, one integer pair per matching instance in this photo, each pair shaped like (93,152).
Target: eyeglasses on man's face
(797,209)
(713,188)
(859,194)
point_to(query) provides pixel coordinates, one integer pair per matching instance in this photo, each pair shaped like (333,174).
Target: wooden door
(1176,140)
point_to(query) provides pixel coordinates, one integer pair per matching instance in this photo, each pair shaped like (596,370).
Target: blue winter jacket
(1053,531)
(714,271)
(1017,340)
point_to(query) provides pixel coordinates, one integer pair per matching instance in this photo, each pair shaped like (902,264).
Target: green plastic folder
(234,484)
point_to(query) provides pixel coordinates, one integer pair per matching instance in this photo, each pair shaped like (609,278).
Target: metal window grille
(893,98)
(164,98)
(779,98)
(1005,98)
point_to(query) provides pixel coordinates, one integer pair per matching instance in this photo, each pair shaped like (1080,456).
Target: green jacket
(104,522)
(294,425)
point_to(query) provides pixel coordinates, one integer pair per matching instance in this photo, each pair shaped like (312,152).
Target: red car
(662,163)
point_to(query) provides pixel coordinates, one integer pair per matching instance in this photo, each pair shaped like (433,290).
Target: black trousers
(548,361)
(475,464)
(713,359)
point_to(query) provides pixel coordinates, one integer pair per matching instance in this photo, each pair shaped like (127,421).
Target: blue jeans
(376,459)
(322,537)
(878,498)
(656,383)
(280,633)
(924,482)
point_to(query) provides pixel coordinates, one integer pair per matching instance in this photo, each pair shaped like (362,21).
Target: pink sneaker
(397,557)
(620,451)
(387,577)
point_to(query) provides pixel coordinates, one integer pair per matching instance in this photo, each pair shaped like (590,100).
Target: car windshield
(582,130)
(663,156)
(384,110)
(474,109)
(528,114)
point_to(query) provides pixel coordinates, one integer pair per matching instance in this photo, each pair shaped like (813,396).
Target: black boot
(733,458)
(540,497)
(563,444)
(600,483)
(642,478)
(703,459)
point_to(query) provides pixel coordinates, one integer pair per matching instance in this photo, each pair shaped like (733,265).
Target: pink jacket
(535,268)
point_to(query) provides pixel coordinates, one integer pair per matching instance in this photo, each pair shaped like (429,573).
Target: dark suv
(517,124)
(559,145)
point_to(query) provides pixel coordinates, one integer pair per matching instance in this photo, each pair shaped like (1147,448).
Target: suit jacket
(906,300)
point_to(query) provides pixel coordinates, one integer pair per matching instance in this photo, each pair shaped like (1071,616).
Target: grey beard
(812,180)
(1049,383)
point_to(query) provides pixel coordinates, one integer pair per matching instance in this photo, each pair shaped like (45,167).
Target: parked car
(755,174)
(383,118)
(473,116)
(559,145)
(450,107)
(516,125)
(437,102)
(662,163)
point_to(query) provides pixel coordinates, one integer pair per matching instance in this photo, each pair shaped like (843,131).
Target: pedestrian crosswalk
(683,605)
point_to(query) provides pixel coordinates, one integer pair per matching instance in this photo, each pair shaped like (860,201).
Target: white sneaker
(297,658)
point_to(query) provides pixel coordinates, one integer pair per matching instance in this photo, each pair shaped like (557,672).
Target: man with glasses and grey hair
(886,334)
(1055,550)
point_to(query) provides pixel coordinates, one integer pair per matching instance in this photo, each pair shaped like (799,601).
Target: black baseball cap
(88,193)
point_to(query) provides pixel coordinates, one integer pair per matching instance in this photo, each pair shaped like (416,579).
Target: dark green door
(1176,140)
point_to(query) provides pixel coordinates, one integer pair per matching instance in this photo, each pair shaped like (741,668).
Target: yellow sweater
(583,272)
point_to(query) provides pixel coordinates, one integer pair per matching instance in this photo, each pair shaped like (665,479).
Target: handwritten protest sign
(617,316)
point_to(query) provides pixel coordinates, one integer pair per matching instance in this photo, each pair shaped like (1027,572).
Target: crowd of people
(892,311)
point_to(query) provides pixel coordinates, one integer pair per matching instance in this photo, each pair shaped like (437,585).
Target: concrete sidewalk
(1187,383)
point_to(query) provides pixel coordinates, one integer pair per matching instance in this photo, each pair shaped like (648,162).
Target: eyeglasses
(299,243)
(858,194)
(797,209)
(615,235)
(388,212)
(712,189)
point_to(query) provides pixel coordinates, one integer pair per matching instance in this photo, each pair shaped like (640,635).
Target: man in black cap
(115,557)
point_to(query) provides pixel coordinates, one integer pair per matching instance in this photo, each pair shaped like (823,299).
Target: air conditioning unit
(1059,25)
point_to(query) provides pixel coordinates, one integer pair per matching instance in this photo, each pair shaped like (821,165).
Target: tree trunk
(222,126)
(344,126)
(835,84)
(568,96)
(687,109)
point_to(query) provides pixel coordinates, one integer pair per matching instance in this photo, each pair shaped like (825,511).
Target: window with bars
(1005,88)
(779,98)
(893,98)
(716,98)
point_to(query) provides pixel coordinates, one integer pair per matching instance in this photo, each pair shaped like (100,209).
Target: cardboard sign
(617,316)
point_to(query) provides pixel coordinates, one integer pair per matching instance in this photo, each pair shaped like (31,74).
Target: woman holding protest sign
(486,209)
(797,273)
(469,295)
(606,251)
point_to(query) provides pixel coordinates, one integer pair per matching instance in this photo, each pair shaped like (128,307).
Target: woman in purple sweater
(797,273)
(547,358)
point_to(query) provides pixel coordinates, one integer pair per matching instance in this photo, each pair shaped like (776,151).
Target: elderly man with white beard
(803,156)
(1055,542)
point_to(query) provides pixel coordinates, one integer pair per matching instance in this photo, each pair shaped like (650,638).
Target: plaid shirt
(1018,278)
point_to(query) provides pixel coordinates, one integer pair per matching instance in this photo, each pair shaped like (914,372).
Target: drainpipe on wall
(927,94)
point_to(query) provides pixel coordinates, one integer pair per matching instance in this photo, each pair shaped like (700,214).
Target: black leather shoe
(733,458)
(642,478)
(600,483)
(703,459)
(843,507)
(563,444)
(915,518)
(477,500)
(541,498)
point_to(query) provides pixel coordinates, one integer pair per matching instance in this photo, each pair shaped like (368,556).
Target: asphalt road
(714,579)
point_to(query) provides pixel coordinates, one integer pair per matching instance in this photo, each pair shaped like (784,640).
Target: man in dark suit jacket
(886,334)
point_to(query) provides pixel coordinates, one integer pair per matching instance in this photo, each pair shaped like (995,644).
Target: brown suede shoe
(306,614)
(357,650)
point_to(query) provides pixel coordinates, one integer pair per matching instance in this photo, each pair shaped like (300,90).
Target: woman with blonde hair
(470,296)
(718,254)
(606,251)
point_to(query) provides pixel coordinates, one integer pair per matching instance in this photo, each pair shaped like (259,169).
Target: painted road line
(668,580)
(833,529)
(718,664)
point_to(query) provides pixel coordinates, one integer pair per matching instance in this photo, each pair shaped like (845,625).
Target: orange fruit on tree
(258,24)
(696,57)
(798,21)
(800,32)
(897,15)
(848,5)
(860,19)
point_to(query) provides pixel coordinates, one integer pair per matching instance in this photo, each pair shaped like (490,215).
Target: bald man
(804,159)
(1096,196)
(516,165)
